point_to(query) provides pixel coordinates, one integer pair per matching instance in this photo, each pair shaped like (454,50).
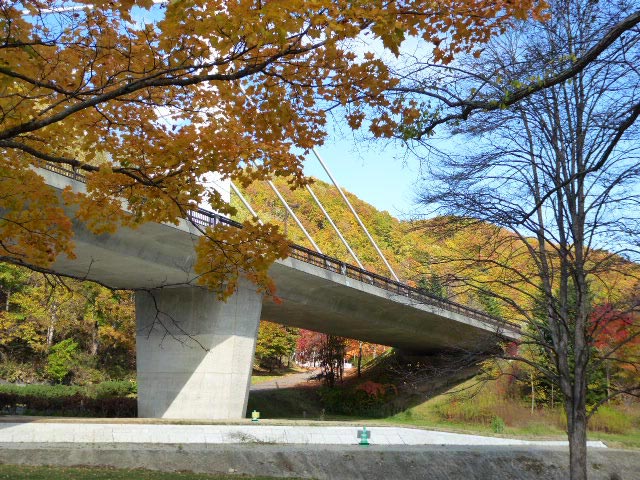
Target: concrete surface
(331,462)
(50,432)
(160,255)
(195,353)
(320,452)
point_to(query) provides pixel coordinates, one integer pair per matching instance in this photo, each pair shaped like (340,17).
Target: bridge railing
(420,296)
(205,218)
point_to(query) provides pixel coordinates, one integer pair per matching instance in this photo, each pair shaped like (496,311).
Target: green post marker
(364,435)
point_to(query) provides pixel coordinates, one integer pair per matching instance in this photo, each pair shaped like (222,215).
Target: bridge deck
(318,292)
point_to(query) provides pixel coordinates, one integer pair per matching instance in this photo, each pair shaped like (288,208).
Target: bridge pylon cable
(355,214)
(335,227)
(244,201)
(254,214)
(295,217)
(277,192)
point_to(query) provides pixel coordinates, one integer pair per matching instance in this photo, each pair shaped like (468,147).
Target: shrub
(12,371)
(358,401)
(376,390)
(84,370)
(610,420)
(115,388)
(61,360)
(497,425)
(115,399)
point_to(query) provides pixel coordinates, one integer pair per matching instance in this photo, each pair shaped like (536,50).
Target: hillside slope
(421,252)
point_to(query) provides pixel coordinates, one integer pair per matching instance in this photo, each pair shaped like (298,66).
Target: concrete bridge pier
(194,352)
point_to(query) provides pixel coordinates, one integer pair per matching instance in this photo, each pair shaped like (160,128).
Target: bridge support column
(194,352)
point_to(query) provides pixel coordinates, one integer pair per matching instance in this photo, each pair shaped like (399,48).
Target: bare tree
(549,185)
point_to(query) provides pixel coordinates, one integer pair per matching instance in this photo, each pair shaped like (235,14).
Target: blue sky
(378,172)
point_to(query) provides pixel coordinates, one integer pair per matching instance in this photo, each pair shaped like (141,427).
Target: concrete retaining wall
(339,462)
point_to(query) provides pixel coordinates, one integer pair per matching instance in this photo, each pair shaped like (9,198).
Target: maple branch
(135,174)
(159,79)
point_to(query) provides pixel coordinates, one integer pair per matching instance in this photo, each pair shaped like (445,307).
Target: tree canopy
(145,99)
(548,184)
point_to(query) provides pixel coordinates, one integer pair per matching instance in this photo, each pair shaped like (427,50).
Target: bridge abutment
(194,352)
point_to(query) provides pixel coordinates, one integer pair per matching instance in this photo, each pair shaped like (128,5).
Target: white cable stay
(284,202)
(253,213)
(326,214)
(245,202)
(295,217)
(277,192)
(335,227)
(355,214)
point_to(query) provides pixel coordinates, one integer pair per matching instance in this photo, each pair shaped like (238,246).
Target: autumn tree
(145,99)
(333,350)
(44,311)
(308,346)
(275,342)
(548,186)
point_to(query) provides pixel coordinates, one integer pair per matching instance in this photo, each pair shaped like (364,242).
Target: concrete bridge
(195,353)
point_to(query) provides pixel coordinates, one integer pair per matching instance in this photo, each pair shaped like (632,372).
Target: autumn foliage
(145,99)
(611,327)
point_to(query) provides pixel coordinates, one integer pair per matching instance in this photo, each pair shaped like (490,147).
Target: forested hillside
(420,251)
(70,331)
(63,330)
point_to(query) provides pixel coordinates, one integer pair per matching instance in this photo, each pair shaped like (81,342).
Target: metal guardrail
(205,218)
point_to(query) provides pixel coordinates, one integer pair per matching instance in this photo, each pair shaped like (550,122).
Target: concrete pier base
(195,353)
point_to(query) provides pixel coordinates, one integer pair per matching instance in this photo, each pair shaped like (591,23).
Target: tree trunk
(533,395)
(50,331)
(578,446)
(359,359)
(51,328)
(608,382)
(94,340)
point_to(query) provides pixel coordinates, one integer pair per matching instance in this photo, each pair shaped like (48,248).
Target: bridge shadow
(406,382)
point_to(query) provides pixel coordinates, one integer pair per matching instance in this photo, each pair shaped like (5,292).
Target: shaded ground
(409,381)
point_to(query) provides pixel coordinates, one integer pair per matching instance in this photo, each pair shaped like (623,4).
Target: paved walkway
(95,433)
(286,381)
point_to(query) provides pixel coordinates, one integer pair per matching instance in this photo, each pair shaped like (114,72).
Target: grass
(263,378)
(618,426)
(260,375)
(301,402)
(14,472)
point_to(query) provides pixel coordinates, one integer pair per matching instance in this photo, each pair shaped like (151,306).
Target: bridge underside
(160,256)
(202,368)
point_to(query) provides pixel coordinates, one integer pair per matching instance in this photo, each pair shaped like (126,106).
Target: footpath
(323,452)
(50,431)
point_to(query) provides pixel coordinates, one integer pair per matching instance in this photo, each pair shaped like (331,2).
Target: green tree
(275,342)
(433,285)
(61,360)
